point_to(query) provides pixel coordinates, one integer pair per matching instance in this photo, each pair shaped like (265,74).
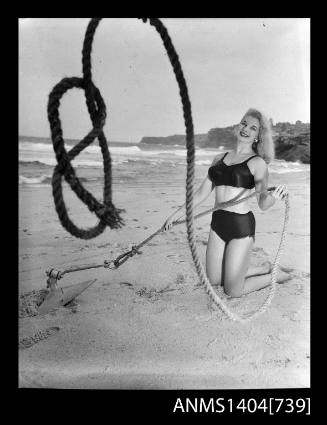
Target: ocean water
(37,160)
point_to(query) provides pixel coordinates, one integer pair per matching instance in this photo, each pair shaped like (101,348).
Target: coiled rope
(107,213)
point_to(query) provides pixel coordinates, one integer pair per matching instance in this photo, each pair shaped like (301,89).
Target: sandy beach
(149,324)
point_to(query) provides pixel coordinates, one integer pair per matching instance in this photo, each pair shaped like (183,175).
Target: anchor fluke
(61,296)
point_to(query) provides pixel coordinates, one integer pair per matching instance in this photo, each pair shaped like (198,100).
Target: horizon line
(175,134)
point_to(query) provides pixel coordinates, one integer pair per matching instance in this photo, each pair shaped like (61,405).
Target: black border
(142,403)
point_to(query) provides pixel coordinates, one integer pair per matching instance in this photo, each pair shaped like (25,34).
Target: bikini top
(236,175)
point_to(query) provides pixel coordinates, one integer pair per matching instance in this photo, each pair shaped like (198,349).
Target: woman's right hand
(280,192)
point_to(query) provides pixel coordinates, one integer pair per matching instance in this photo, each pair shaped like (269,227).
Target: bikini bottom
(231,225)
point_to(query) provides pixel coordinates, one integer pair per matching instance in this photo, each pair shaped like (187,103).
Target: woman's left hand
(280,192)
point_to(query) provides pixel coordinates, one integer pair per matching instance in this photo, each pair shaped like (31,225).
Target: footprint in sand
(153,294)
(29,341)
(180,279)
(126,283)
(181,308)
(292,315)
(256,249)
(29,302)
(104,245)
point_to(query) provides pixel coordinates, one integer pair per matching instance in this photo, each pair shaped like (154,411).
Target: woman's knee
(234,289)
(233,292)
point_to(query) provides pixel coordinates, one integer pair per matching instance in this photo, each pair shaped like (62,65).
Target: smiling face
(248,129)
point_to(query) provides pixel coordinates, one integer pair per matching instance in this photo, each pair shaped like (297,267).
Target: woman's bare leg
(214,258)
(236,264)
(266,267)
(259,270)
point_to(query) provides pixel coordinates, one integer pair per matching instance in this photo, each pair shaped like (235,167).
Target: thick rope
(107,213)
(135,249)
(117,262)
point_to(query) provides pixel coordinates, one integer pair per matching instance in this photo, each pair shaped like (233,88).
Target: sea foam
(36,155)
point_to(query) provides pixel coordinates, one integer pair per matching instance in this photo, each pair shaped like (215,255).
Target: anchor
(59,297)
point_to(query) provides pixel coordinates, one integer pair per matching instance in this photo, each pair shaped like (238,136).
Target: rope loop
(107,213)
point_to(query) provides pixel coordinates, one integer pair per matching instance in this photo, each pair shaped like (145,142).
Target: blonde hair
(265,145)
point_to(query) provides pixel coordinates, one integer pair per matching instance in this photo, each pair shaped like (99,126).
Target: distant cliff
(293,148)
(292,141)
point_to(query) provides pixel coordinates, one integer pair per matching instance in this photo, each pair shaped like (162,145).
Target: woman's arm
(200,195)
(265,199)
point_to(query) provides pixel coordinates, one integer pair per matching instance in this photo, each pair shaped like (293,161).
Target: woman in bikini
(232,231)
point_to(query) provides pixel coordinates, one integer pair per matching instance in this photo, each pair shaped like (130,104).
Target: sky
(229,64)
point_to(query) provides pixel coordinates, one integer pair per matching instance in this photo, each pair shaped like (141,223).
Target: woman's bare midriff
(226,193)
